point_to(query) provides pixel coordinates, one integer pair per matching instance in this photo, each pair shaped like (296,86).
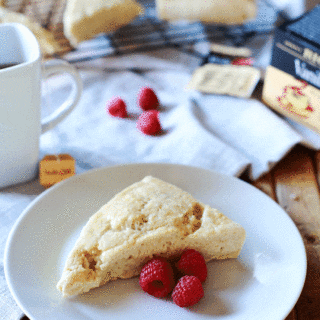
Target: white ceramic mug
(21,74)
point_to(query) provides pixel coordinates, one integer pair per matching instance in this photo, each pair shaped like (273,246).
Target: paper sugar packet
(230,80)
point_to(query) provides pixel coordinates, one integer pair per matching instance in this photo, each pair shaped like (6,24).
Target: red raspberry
(147,99)
(192,263)
(156,277)
(149,123)
(309,108)
(117,107)
(243,62)
(188,291)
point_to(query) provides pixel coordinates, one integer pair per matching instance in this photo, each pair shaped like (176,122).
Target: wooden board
(294,184)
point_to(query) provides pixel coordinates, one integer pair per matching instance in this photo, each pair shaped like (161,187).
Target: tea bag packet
(230,80)
(55,168)
(230,50)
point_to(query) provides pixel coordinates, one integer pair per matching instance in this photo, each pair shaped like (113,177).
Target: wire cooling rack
(147,32)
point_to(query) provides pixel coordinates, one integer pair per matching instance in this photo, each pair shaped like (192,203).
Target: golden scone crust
(82,19)
(150,217)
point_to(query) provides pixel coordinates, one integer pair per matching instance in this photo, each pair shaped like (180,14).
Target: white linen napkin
(116,140)
(227,134)
(13,200)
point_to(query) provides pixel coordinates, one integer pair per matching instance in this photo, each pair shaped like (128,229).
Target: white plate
(263,283)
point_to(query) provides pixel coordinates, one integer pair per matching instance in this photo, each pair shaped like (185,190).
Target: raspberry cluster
(158,278)
(148,122)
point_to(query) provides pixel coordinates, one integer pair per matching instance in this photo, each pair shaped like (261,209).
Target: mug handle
(52,67)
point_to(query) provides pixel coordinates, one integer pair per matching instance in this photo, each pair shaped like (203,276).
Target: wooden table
(294,185)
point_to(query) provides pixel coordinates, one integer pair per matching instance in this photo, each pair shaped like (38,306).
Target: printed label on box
(292,82)
(292,97)
(297,58)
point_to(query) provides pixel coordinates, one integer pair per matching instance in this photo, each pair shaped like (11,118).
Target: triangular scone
(226,12)
(84,19)
(148,218)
